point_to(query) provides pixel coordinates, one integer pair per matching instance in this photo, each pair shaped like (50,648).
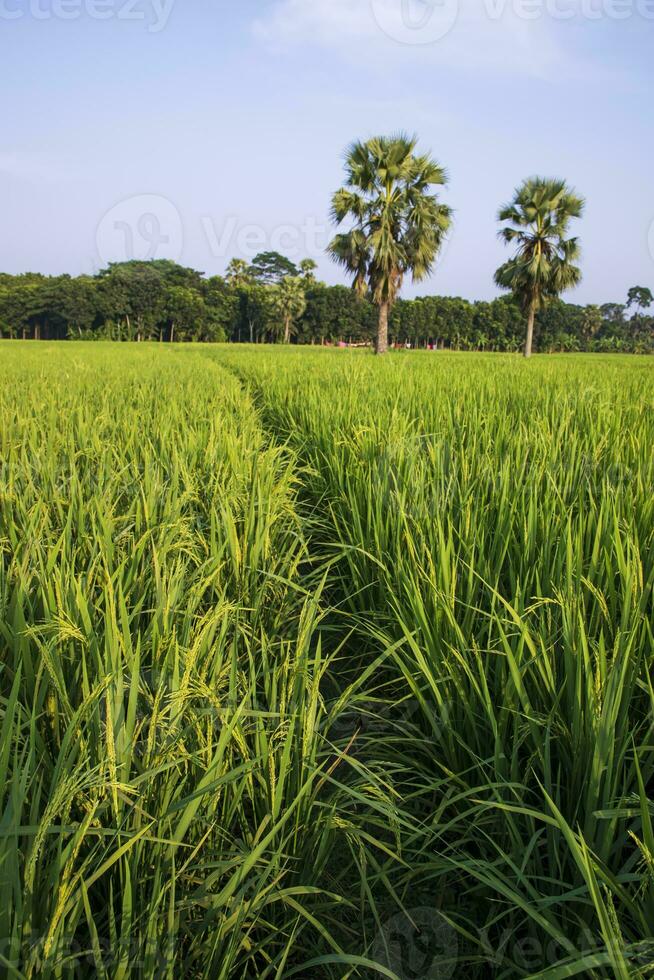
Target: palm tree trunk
(382,329)
(529,342)
(287,331)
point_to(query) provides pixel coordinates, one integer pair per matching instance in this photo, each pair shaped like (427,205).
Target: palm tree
(308,269)
(543,265)
(289,302)
(238,273)
(397,225)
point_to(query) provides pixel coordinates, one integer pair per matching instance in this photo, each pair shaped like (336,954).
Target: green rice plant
(494,528)
(172,800)
(320,665)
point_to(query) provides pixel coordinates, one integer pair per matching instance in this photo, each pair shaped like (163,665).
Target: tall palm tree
(537,221)
(289,302)
(397,224)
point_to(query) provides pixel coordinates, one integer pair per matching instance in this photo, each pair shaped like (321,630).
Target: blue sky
(199,130)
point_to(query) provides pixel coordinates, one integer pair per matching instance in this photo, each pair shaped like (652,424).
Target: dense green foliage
(160,301)
(305,650)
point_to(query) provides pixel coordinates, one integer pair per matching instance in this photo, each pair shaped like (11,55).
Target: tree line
(272,300)
(390,224)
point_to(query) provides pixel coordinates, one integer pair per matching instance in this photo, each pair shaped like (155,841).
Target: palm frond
(397,223)
(536,221)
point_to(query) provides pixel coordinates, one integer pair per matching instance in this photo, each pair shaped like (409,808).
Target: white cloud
(298,21)
(509,36)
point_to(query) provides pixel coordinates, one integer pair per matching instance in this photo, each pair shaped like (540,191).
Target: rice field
(319,665)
